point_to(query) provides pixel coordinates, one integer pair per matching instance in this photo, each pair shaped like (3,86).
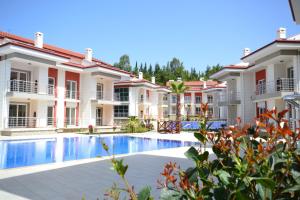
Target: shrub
(244,166)
(135,126)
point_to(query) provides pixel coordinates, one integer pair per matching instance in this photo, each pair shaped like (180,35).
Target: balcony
(274,89)
(29,122)
(27,89)
(229,98)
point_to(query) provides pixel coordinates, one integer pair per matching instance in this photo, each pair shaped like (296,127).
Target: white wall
(247,90)
(5,69)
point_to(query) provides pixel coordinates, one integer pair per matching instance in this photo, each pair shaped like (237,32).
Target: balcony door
(18,115)
(51,85)
(99,113)
(70,116)
(50,116)
(71,89)
(19,81)
(99,91)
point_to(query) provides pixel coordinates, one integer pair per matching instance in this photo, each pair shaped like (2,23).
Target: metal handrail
(23,86)
(22,122)
(280,85)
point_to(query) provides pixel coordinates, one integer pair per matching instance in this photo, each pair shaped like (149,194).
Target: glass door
(18,115)
(50,116)
(71,116)
(19,81)
(51,84)
(99,116)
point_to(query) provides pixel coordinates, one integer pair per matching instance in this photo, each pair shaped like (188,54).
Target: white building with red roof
(45,88)
(269,78)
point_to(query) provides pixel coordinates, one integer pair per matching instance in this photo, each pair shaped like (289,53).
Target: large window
(99,91)
(71,89)
(187,99)
(50,116)
(121,94)
(121,111)
(198,111)
(173,110)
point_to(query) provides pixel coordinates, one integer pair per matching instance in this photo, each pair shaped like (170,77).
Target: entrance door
(99,116)
(70,116)
(18,115)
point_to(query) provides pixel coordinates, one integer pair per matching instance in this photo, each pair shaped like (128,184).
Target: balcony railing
(72,94)
(29,87)
(163,102)
(22,122)
(280,85)
(51,121)
(229,96)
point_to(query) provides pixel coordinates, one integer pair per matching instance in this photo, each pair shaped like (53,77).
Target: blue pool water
(19,153)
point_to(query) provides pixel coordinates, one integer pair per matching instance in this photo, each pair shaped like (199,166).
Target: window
(121,94)
(187,99)
(71,89)
(210,112)
(121,111)
(198,111)
(70,116)
(165,97)
(99,91)
(174,99)
(198,99)
(210,99)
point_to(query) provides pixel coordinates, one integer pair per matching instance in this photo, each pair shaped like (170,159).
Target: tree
(124,63)
(178,88)
(136,69)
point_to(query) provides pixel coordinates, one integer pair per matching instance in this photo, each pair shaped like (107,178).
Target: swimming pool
(20,153)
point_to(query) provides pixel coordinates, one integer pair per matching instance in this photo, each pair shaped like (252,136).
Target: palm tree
(178,88)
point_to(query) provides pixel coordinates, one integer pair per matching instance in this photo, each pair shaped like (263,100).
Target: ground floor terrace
(90,178)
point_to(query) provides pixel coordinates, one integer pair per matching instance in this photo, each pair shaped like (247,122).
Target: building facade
(45,88)
(268,77)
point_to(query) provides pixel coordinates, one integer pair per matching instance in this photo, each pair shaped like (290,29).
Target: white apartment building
(198,92)
(44,88)
(268,77)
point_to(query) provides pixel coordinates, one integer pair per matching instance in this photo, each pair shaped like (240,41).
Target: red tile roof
(28,43)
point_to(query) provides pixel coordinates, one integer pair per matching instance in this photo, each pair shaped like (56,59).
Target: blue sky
(198,32)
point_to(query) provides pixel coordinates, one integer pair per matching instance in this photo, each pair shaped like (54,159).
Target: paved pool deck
(90,177)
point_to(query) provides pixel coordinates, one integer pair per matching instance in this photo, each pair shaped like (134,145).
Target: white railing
(51,121)
(23,86)
(22,122)
(72,94)
(280,85)
(51,89)
(99,122)
(187,100)
(229,96)
(29,87)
